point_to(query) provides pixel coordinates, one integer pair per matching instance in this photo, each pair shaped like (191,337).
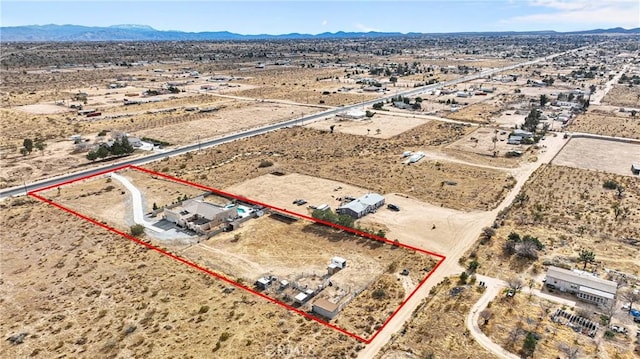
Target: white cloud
(625,13)
(365,28)
(324,22)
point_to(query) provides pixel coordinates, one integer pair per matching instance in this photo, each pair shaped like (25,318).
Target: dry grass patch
(623,95)
(568,209)
(607,124)
(369,163)
(479,112)
(76,290)
(437,328)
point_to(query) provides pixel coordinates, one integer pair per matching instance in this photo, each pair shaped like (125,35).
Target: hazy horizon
(314,17)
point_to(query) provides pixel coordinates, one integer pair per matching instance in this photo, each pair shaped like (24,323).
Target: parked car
(299,202)
(405,272)
(393,207)
(636,319)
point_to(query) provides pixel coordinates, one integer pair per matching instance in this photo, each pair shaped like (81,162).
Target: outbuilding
(325,308)
(635,169)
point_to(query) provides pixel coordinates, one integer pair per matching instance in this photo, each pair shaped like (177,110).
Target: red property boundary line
(224,278)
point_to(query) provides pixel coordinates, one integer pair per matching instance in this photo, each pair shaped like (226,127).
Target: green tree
(92,155)
(393,80)
(543,100)
(102,152)
(40,145)
(531,121)
(529,345)
(28,145)
(586,257)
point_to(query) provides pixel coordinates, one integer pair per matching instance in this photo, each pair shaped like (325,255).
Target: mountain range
(42,33)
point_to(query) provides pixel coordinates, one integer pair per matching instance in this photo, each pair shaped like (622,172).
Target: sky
(313,17)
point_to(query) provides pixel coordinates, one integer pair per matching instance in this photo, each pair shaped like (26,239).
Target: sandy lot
(568,209)
(607,124)
(602,155)
(621,95)
(381,125)
(413,225)
(43,109)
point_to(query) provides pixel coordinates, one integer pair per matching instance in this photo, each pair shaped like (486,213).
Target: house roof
(325,304)
(204,209)
(583,279)
(356,206)
(371,199)
(596,292)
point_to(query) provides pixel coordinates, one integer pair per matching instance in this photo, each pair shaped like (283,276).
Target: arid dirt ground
(437,328)
(76,289)
(607,124)
(600,155)
(511,318)
(568,209)
(621,95)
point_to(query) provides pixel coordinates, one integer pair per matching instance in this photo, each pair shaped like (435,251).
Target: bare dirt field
(568,209)
(381,125)
(480,142)
(43,109)
(599,154)
(437,329)
(377,163)
(413,225)
(607,124)
(76,289)
(479,112)
(621,95)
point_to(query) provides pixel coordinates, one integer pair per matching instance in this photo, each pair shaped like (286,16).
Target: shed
(339,261)
(301,298)
(635,169)
(325,308)
(263,283)
(514,140)
(333,268)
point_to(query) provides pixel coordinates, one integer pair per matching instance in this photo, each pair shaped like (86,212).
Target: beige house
(583,285)
(199,216)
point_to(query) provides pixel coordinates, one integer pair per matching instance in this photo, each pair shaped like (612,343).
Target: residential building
(362,206)
(199,216)
(586,286)
(325,308)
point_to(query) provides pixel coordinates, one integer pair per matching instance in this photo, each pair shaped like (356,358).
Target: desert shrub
(379,294)
(265,163)
(203,309)
(610,184)
(137,230)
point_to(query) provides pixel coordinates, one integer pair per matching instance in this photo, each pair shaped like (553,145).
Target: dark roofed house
(586,286)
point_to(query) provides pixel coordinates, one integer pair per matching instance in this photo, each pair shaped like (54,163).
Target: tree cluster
(28,145)
(525,247)
(119,147)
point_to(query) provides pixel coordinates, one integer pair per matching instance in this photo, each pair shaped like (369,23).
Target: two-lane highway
(25,188)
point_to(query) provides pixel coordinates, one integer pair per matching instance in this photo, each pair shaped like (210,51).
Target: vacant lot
(381,125)
(478,112)
(437,328)
(77,290)
(568,210)
(623,95)
(601,155)
(607,124)
(374,164)
(510,319)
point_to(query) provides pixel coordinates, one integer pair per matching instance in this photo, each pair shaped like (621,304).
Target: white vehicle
(619,329)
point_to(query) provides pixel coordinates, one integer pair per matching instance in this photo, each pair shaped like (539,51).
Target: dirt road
(467,236)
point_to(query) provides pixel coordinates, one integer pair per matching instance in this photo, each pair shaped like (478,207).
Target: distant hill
(146,33)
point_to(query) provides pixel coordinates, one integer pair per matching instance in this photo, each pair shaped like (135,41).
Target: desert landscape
(341,196)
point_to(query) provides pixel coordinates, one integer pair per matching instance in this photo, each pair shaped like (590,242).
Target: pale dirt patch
(601,155)
(43,109)
(381,125)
